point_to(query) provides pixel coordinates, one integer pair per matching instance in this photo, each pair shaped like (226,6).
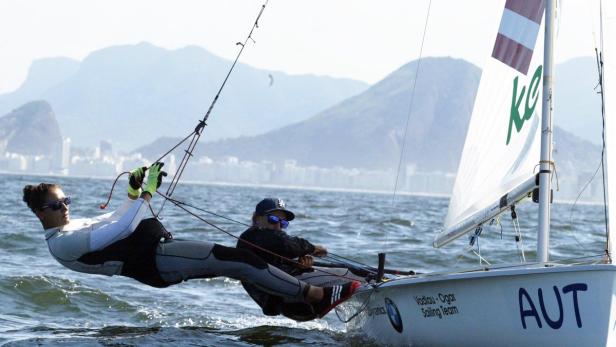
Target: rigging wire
(601,166)
(196,134)
(601,81)
(408,118)
(410,111)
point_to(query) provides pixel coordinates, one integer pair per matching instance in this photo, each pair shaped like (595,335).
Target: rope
(350,261)
(209,212)
(104,205)
(361,309)
(518,234)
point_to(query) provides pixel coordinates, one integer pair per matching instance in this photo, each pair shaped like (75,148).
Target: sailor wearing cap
(269,220)
(267,239)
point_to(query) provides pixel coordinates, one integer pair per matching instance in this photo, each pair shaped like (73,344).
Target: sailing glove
(155,178)
(135,180)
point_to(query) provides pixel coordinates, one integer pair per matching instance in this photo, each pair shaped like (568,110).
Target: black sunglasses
(57,204)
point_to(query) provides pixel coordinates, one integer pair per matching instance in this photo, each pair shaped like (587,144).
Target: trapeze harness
(280,243)
(124,243)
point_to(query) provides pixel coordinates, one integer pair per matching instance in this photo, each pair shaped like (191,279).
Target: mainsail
(501,151)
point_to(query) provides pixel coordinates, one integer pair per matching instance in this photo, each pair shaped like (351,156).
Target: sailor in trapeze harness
(267,239)
(125,243)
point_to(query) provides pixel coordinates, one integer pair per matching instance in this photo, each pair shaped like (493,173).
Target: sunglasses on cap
(275,220)
(57,204)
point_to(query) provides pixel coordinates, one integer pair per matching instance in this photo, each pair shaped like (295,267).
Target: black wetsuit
(280,243)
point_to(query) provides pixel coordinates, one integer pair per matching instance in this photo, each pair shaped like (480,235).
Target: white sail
(501,150)
(513,304)
(608,22)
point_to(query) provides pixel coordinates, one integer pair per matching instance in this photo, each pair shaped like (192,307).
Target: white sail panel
(609,87)
(502,144)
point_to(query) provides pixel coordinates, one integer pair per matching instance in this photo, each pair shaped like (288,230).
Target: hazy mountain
(30,129)
(573,154)
(578,106)
(133,94)
(367,130)
(42,75)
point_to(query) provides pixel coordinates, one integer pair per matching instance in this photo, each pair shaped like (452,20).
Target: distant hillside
(42,75)
(570,149)
(133,94)
(578,106)
(367,130)
(30,129)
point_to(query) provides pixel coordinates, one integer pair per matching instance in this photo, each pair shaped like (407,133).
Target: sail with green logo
(501,152)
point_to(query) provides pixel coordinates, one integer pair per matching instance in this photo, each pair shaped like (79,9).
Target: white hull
(499,307)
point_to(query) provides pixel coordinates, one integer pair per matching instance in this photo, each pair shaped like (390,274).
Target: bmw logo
(394,315)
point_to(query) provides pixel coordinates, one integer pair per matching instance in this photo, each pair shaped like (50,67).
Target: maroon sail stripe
(512,53)
(531,9)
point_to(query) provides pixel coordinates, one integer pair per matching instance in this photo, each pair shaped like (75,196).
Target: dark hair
(35,196)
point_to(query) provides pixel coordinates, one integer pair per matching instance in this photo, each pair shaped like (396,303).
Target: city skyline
(104,164)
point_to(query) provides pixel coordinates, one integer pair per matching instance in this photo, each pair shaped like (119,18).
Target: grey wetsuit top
(80,236)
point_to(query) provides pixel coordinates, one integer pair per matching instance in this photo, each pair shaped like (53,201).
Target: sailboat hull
(549,306)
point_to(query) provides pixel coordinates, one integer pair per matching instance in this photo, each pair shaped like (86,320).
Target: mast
(543,235)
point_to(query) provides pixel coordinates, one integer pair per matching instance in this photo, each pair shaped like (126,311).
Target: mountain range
(364,127)
(367,130)
(133,94)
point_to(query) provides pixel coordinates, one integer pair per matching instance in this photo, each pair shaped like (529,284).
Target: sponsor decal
(440,305)
(394,315)
(376,311)
(530,95)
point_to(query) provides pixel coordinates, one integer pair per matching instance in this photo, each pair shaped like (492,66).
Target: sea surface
(42,303)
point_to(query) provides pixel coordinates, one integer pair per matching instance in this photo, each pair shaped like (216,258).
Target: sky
(360,39)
